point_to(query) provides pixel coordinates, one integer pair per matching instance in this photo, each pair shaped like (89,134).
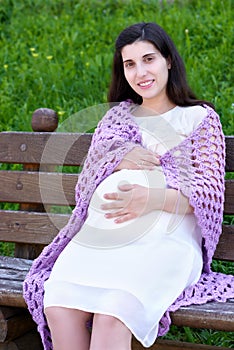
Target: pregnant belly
(98,231)
(148,178)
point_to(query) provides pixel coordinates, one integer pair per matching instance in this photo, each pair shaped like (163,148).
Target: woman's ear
(169,62)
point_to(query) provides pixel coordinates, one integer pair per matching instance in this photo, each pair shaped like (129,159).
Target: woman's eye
(148,59)
(128,64)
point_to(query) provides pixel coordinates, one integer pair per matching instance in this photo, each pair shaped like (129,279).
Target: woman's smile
(146,84)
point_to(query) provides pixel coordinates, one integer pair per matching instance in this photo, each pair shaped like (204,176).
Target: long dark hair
(178,90)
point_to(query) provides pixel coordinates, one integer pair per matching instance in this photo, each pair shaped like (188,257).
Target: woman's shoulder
(188,118)
(194,115)
(196,112)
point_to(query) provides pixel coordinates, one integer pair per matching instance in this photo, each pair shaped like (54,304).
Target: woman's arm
(134,200)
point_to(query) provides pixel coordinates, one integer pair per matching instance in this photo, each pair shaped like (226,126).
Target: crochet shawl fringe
(195,167)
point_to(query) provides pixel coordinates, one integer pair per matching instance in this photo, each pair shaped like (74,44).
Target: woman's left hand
(130,202)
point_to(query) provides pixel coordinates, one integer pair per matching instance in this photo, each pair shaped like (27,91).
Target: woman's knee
(109,322)
(108,332)
(52,313)
(105,320)
(57,313)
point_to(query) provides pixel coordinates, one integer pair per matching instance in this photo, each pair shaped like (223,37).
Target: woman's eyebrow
(147,54)
(128,60)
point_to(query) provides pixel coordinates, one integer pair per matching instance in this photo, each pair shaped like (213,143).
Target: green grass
(201,336)
(6,249)
(58,54)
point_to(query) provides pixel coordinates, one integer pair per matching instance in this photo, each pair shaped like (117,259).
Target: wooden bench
(38,187)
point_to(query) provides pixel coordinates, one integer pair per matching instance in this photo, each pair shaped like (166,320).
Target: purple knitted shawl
(195,167)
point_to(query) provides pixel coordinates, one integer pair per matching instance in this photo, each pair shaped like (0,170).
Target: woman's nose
(140,70)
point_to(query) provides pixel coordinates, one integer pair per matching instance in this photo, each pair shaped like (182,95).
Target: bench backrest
(41,180)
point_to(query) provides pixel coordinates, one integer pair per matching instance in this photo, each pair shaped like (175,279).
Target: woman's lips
(146,84)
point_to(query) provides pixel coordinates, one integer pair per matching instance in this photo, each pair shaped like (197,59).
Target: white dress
(134,270)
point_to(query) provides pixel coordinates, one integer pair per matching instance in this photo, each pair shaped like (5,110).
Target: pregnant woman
(148,214)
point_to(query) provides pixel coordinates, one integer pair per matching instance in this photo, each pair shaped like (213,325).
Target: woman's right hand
(139,158)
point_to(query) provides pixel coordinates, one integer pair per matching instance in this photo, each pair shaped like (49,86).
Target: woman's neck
(158,108)
(152,108)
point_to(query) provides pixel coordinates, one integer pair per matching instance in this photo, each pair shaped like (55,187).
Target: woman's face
(146,71)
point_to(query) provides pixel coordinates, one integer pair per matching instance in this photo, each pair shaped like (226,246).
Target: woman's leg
(68,328)
(109,333)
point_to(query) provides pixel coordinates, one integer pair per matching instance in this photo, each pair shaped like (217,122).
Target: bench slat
(23,187)
(30,227)
(53,148)
(16,264)
(163,344)
(39,228)
(11,296)
(10,287)
(65,148)
(213,315)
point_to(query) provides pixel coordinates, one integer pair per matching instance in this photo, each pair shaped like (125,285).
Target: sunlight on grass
(58,54)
